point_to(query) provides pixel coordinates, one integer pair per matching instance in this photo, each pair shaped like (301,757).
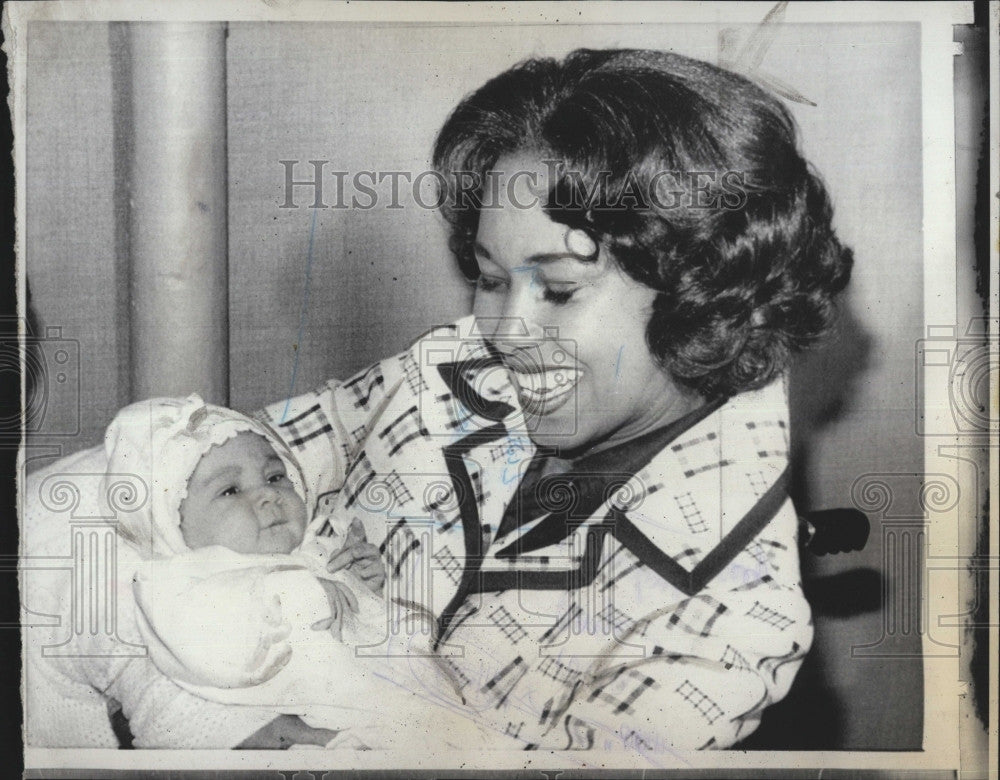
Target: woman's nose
(516,320)
(516,317)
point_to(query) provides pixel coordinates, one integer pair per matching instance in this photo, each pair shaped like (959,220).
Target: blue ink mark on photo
(532,269)
(618,363)
(302,316)
(516,451)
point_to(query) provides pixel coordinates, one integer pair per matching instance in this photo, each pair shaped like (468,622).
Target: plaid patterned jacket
(669,617)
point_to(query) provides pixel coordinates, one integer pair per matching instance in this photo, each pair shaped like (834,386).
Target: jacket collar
(572,497)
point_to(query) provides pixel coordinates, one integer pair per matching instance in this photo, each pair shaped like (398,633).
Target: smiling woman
(635,585)
(530,277)
(740,283)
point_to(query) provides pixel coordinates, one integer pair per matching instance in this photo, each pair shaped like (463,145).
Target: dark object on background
(834,531)
(810,717)
(978,626)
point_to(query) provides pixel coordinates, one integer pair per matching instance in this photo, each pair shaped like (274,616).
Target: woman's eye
(488,284)
(557,296)
(232,490)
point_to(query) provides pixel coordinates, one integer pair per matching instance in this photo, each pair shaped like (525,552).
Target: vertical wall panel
(178,264)
(70,228)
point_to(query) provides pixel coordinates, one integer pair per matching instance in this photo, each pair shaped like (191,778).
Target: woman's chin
(559,430)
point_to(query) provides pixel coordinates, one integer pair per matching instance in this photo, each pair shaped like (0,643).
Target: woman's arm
(693,691)
(285,731)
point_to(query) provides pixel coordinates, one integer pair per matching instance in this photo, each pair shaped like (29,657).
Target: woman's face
(572,330)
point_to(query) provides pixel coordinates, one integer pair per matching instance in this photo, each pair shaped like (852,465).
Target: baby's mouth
(542,392)
(274,522)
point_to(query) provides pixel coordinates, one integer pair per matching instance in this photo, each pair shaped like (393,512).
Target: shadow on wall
(813,716)
(823,383)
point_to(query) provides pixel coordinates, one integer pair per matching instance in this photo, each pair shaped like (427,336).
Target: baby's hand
(359,557)
(342,600)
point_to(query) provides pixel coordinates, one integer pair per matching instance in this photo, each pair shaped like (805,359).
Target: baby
(239,602)
(240,497)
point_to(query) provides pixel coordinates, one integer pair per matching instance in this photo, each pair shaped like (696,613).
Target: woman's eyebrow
(539,258)
(551,257)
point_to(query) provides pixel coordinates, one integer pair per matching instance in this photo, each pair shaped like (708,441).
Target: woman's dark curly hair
(746,268)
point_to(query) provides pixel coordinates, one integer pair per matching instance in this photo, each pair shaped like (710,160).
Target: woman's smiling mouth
(543,392)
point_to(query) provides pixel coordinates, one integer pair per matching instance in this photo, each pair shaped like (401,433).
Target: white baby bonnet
(153,448)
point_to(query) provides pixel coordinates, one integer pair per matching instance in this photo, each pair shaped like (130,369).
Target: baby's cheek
(297,517)
(298,513)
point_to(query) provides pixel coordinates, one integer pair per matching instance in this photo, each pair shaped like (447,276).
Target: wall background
(372,98)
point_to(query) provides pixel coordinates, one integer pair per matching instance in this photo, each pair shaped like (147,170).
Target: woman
(584,482)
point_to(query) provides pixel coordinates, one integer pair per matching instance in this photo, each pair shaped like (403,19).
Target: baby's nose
(268,494)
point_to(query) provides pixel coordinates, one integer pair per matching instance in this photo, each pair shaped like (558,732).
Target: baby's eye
(275,478)
(232,490)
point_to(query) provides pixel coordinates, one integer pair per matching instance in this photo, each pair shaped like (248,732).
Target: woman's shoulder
(402,381)
(719,471)
(436,345)
(329,428)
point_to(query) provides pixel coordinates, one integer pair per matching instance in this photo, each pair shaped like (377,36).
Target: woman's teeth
(546,386)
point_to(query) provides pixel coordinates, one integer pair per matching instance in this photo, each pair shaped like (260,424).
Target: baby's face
(240,497)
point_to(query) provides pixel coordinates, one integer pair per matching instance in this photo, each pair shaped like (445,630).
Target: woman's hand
(285,731)
(342,600)
(359,557)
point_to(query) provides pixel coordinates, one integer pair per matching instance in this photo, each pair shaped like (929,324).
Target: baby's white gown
(237,629)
